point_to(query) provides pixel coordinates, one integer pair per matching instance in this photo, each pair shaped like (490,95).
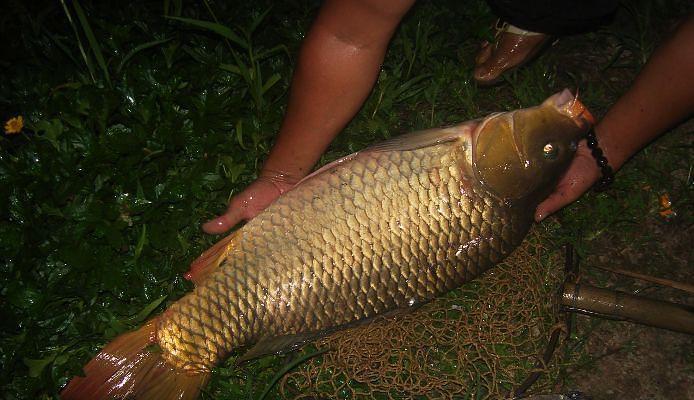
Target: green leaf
(52,129)
(36,367)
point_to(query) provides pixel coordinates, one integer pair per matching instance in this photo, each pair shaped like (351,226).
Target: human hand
(581,176)
(251,201)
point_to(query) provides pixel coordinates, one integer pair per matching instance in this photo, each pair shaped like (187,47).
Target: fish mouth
(568,104)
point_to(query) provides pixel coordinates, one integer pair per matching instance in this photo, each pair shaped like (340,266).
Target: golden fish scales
(377,232)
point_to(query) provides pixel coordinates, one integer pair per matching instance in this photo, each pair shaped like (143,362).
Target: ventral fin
(425,138)
(276,344)
(209,261)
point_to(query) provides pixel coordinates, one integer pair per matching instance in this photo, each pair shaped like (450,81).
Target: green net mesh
(480,341)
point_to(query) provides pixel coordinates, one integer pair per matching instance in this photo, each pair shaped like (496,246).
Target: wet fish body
(380,231)
(384,229)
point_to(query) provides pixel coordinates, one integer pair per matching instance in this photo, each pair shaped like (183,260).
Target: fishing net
(480,341)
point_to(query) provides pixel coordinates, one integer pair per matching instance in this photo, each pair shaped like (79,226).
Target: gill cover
(521,154)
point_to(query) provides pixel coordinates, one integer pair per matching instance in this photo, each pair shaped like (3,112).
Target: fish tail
(132,367)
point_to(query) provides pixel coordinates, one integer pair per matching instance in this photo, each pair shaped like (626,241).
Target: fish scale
(391,230)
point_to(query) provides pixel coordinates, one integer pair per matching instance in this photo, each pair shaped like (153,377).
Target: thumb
(580,176)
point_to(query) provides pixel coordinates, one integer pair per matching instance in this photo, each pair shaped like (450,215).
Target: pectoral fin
(285,343)
(210,259)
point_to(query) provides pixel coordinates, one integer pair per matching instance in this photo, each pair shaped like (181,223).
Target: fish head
(523,153)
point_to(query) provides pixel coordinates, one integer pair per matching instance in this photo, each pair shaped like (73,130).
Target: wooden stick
(686,287)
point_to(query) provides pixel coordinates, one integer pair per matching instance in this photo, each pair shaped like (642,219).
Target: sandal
(513,47)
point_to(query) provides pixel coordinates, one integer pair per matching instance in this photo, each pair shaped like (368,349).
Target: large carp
(383,229)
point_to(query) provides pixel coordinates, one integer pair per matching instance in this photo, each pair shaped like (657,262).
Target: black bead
(601,161)
(592,141)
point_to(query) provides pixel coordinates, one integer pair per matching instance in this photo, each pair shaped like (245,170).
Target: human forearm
(661,96)
(338,65)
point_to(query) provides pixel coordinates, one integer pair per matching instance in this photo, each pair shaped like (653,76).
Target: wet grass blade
(93,43)
(177,7)
(256,21)
(219,29)
(145,312)
(141,242)
(138,49)
(267,53)
(270,83)
(86,59)
(286,369)
(62,47)
(216,20)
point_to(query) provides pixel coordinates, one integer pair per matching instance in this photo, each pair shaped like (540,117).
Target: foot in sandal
(512,48)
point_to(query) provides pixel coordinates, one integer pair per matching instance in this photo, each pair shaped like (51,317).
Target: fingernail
(539,217)
(214,225)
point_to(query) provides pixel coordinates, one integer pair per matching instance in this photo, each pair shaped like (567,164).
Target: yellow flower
(14,125)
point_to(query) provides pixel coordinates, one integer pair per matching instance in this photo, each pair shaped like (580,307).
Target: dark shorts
(558,17)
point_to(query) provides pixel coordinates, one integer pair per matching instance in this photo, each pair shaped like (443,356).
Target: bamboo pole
(624,306)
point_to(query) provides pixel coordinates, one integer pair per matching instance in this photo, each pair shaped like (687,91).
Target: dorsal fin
(328,166)
(425,138)
(211,258)
(406,142)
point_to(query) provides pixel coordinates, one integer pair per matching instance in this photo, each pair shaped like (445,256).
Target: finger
(552,204)
(566,193)
(223,222)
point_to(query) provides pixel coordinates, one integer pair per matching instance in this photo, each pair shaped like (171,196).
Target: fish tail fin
(132,366)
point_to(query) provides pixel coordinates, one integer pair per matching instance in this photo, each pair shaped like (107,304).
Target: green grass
(141,121)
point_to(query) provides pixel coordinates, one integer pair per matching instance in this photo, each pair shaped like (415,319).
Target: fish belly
(381,231)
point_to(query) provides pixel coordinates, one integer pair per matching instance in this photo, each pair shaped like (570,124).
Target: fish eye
(550,151)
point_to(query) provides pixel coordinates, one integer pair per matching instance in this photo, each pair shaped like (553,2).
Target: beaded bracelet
(601,160)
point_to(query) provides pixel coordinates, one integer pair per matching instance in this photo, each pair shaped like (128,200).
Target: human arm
(661,96)
(338,64)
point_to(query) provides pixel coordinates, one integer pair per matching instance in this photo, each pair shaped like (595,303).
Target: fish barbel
(383,229)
